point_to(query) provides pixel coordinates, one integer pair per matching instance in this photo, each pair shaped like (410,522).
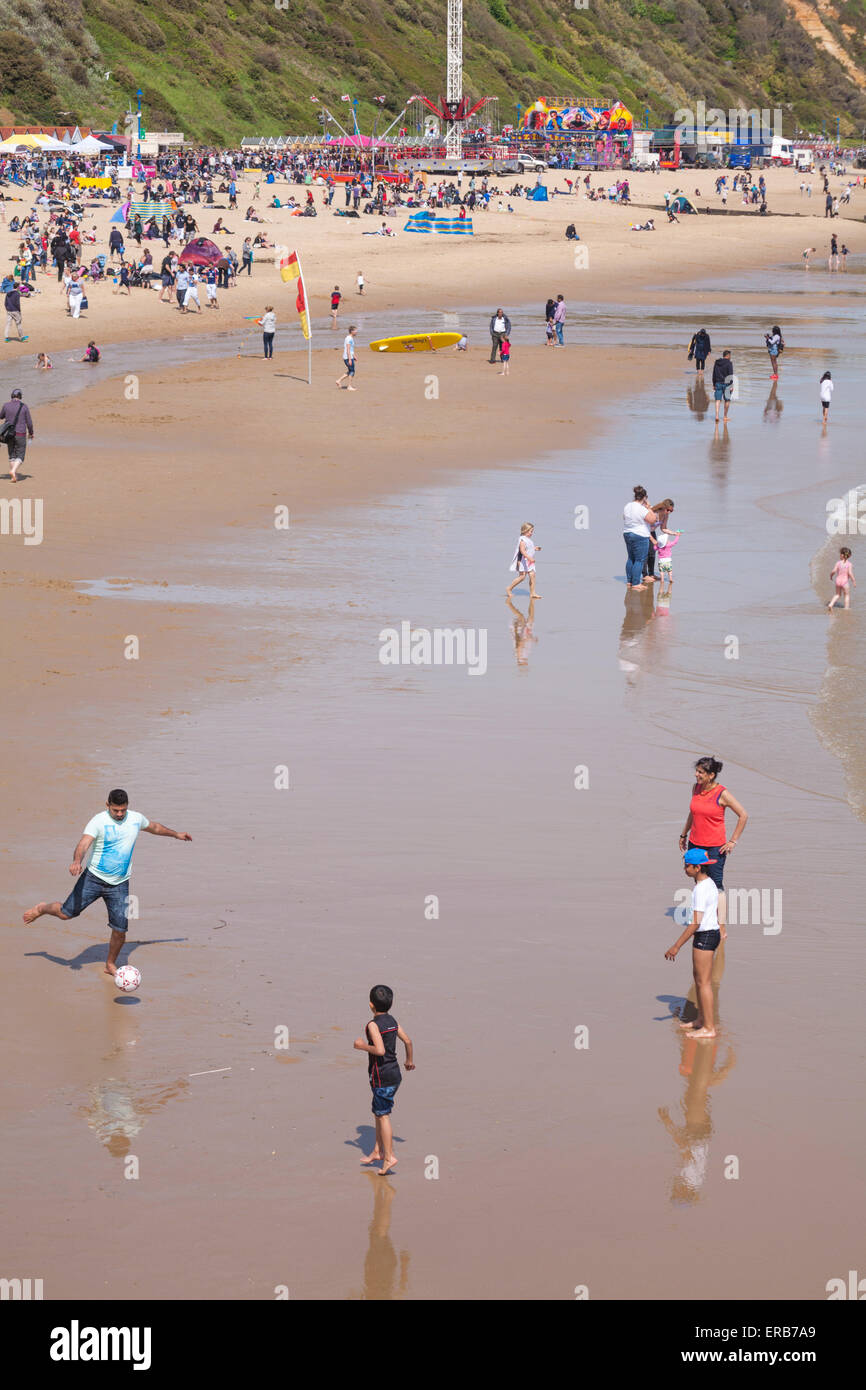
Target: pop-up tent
(90,145)
(539,194)
(200,251)
(445,226)
(680,203)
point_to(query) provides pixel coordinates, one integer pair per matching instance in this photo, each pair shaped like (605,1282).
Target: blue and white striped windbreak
(446,226)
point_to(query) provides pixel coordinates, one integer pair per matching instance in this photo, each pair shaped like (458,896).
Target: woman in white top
(523,563)
(269,328)
(637,518)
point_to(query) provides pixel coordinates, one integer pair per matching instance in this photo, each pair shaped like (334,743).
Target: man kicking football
(113,834)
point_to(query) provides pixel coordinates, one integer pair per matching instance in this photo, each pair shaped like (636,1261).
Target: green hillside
(218,71)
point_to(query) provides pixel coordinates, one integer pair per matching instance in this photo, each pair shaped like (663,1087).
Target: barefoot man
(112,834)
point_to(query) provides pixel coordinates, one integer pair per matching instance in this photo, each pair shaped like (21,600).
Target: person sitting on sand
(43,362)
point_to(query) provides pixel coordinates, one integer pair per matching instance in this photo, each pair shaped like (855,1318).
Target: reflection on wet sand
(697,397)
(522,631)
(380,1265)
(720,453)
(639,611)
(774,407)
(117,1109)
(698,1066)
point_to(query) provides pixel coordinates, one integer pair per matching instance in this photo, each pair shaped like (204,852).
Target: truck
(781,151)
(804,160)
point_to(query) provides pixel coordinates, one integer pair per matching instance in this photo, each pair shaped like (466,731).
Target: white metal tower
(454,93)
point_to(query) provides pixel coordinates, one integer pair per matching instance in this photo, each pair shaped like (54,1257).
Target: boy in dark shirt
(383,1070)
(723,381)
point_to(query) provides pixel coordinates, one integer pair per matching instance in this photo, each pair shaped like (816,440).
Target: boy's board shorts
(88,888)
(383,1099)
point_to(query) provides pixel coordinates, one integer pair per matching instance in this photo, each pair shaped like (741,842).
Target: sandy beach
(558,1166)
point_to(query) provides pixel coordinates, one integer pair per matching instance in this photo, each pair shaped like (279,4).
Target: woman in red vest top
(705,825)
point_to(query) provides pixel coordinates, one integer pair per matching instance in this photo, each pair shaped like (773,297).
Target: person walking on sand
(17,416)
(12,304)
(705,823)
(826,395)
(348,359)
(842,575)
(500,327)
(361,282)
(637,518)
(723,382)
(775,347)
(705,934)
(383,1071)
(699,349)
(269,328)
(111,834)
(523,563)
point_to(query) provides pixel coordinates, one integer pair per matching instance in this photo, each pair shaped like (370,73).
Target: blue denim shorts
(350,366)
(383,1099)
(88,888)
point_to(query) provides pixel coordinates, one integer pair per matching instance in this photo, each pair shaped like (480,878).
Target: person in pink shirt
(664,542)
(843,575)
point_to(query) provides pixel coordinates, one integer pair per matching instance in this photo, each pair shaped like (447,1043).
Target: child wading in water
(664,542)
(383,1070)
(843,575)
(704,930)
(523,563)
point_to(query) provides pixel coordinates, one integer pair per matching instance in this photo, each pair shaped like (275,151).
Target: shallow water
(603,1165)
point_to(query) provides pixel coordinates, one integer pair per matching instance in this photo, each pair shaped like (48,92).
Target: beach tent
(200,251)
(21,142)
(90,145)
(119,216)
(680,203)
(539,194)
(444,226)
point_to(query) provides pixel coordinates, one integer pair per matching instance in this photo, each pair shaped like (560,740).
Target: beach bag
(84,303)
(8,428)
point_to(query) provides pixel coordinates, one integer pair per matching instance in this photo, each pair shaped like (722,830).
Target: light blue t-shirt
(114,843)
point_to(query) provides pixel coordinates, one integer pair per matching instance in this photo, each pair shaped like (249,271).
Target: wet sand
(557,1166)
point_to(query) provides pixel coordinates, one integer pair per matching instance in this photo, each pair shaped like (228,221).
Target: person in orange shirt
(705,824)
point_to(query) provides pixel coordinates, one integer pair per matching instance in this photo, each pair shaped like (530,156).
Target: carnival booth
(597,136)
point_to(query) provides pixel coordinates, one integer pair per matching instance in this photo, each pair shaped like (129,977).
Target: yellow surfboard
(416,342)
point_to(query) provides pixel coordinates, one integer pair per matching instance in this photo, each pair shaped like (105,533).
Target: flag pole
(303,282)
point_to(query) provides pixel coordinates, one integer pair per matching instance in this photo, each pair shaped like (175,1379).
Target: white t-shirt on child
(705,899)
(826,391)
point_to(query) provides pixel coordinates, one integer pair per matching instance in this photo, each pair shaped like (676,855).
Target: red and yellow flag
(290,269)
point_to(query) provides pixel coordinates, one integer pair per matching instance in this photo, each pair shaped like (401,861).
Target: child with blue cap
(704,931)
